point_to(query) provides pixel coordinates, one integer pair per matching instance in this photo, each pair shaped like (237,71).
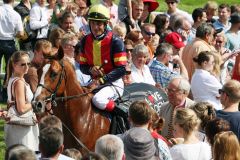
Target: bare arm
(183,70)
(129,8)
(19,90)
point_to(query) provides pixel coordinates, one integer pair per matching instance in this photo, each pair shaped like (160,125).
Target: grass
(186,5)
(190,5)
(2,144)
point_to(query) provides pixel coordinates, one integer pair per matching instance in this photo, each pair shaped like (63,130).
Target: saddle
(136,91)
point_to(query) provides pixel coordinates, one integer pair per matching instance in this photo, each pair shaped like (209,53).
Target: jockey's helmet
(99,12)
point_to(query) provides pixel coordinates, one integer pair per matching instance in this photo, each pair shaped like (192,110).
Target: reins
(72,97)
(78,141)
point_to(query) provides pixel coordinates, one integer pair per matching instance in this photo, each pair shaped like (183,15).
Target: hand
(94,84)
(183,33)
(49,20)
(235,53)
(96,72)
(3,114)
(176,59)
(174,141)
(158,85)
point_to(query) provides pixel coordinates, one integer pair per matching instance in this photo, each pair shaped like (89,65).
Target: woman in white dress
(186,123)
(19,98)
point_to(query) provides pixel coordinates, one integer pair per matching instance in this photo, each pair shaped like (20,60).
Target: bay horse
(58,79)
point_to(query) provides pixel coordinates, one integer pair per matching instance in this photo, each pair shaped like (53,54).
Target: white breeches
(102,97)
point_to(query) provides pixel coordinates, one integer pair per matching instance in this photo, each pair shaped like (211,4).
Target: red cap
(153,5)
(175,39)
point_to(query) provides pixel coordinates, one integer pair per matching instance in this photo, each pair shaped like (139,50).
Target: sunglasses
(149,33)
(219,42)
(82,7)
(129,50)
(25,64)
(171,2)
(128,72)
(221,91)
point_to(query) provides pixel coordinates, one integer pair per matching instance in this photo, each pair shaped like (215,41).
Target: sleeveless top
(10,90)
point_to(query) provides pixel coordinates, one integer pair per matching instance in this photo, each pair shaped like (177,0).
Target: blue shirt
(217,25)
(161,73)
(82,78)
(233,118)
(233,40)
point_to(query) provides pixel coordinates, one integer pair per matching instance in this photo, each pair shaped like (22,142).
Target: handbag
(27,119)
(13,117)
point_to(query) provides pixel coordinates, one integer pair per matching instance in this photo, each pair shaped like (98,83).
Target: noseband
(52,97)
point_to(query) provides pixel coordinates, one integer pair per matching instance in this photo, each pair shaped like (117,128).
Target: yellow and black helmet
(99,12)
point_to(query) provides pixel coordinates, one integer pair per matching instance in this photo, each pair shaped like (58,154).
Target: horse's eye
(53,75)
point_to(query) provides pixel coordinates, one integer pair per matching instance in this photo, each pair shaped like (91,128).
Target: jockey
(103,56)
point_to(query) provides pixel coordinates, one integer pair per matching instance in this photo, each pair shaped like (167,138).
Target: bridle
(52,98)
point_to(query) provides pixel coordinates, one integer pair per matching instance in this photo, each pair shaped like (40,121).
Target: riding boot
(121,111)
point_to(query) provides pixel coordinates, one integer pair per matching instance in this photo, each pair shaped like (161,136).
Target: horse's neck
(73,87)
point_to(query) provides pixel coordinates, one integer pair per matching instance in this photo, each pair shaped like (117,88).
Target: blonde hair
(232,88)
(217,64)
(211,5)
(221,34)
(42,45)
(67,38)
(56,34)
(137,2)
(226,146)
(120,29)
(187,120)
(16,57)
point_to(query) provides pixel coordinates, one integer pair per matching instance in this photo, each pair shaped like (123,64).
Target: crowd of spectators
(193,57)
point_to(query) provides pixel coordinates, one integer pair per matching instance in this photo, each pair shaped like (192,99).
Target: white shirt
(142,76)
(10,22)
(184,14)
(113,10)
(39,20)
(204,87)
(60,157)
(197,151)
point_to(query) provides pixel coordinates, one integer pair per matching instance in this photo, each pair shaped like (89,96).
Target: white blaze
(39,88)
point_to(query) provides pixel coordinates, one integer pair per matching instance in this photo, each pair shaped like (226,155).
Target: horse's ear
(55,66)
(60,54)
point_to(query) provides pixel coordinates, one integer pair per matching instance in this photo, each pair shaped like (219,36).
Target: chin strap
(100,36)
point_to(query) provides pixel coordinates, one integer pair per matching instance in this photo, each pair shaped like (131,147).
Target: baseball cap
(175,40)
(153,5)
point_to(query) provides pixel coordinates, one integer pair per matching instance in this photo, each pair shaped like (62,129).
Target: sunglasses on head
(149,33)
(25,64)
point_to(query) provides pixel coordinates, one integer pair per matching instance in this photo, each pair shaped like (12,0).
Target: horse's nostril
(39,106)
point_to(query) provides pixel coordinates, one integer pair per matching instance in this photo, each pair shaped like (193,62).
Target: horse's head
(51,84)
